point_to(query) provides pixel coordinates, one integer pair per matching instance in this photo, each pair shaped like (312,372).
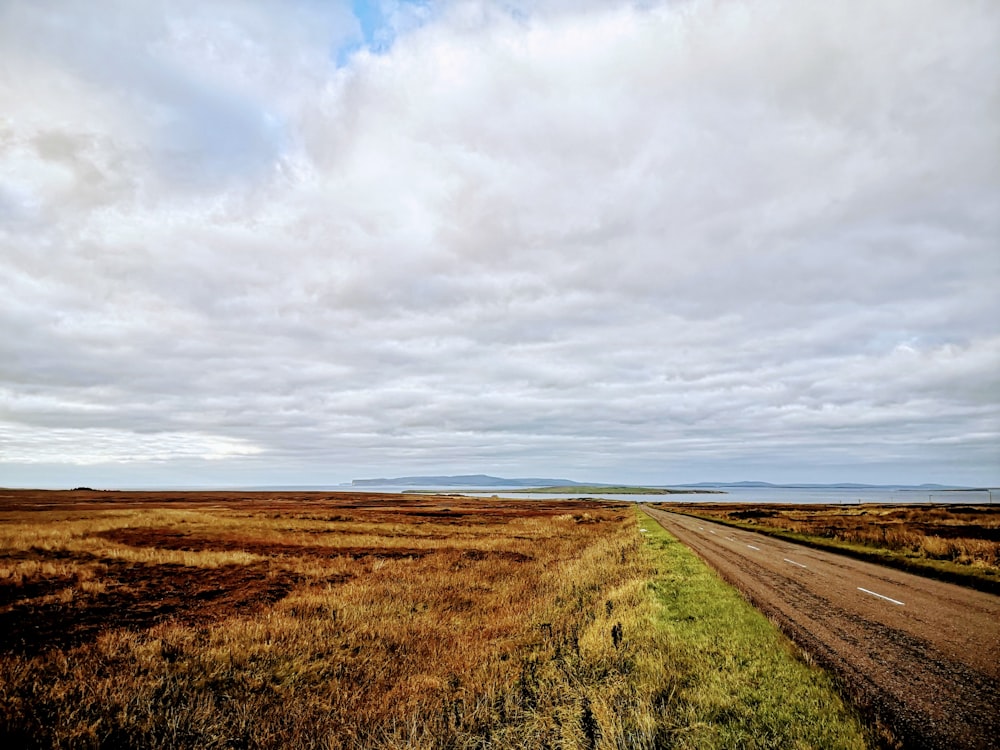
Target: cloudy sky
(305,241)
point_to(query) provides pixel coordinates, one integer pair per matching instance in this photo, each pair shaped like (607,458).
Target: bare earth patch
(135,596)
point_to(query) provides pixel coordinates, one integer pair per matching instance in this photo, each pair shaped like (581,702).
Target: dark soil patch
(175,540)
(753,513)
(987,533)
(11,592)
(18,590)
(139,596)
(499,554)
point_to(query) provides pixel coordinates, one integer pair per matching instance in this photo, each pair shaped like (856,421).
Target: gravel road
(921,656)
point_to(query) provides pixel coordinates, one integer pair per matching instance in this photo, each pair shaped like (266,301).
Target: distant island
(836,486)
(463,480)
(525,485)
(597,489)
(564,486)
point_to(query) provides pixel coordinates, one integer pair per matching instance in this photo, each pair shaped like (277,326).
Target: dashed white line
(752,547)
(880,596)
(794,563)
(730,539)
(701,528)
(711,532)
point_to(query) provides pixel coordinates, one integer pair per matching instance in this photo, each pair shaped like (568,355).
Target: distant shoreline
(575,489)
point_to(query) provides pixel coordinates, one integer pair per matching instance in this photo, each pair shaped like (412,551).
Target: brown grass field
(960,539)
(219,620)
(354,620)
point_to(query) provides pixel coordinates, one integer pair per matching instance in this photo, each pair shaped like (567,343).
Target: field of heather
(220,620)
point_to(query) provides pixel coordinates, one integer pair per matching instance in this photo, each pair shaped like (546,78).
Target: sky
(307,241)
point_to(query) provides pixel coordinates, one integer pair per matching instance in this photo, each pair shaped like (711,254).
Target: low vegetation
(737,681)
(358,620)
(959,543)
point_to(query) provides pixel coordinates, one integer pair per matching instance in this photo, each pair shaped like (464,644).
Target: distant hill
(532,483)
(625,489)
(463,480)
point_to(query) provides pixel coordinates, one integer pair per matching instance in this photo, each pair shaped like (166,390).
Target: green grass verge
(982,579)
(737,681)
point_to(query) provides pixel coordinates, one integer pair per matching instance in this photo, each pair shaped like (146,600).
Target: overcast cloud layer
(302,242)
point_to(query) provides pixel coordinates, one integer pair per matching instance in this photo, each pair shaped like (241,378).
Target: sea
(789,495)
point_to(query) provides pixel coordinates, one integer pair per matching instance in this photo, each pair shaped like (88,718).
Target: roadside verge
(941,570)
(737,681)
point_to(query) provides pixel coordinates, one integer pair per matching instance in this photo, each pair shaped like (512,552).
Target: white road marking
(752,547)
(730,539)
(894,601)
(794,563)
(711,532)
(702,528)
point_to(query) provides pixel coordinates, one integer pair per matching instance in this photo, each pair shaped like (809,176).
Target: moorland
(357,620)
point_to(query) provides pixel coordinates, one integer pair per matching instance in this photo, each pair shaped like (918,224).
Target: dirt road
(921,656)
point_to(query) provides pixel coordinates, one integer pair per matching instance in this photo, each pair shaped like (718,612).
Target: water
(837,496)
(790,495)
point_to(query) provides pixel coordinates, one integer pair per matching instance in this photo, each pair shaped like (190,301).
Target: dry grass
(353,621)
(218,620)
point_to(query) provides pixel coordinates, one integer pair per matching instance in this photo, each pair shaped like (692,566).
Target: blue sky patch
(378,20)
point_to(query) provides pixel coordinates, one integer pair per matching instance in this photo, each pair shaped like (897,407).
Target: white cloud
(19,445)
(663,241)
